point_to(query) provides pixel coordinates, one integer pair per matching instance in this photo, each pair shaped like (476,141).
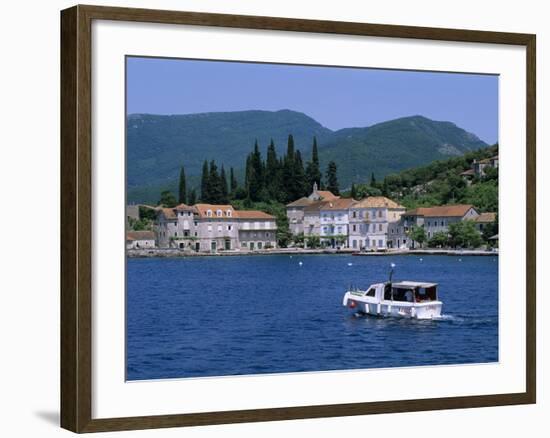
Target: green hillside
(158,145)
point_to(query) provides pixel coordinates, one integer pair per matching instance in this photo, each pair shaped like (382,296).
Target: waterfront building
(485,219)
(370,220)
(212,228)
(140,239)
(296,211)
(432,219)
(333,221)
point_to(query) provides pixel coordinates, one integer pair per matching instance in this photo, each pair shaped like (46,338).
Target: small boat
(408,299)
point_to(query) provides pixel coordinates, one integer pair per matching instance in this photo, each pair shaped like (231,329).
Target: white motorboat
(409,299)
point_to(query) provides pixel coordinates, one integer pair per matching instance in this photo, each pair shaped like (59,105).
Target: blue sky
(337,97)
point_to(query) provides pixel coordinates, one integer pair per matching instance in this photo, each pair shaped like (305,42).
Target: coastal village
(322,220)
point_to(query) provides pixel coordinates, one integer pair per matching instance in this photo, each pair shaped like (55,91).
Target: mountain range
(158,145)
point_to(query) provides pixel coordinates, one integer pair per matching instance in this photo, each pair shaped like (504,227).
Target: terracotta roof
(202,209)
(486,218)
(442,211)
(184,207)
(326,195)
(337,204)
(377,202)
(253,214)
(302,202)
(168,213)
(140,235)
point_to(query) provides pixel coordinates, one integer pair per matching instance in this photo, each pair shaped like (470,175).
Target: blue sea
(217,316)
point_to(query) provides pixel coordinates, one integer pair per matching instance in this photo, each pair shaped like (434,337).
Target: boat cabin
(410,291)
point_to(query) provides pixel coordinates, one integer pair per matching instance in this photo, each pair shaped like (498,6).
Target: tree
(313,241)
(288,171)
(299,188)
(182,198)
(418,234)
(167,199)
(313,170)
(298,240)
(225,188)
(215,186)
(353,193)
(233,184)
(205,195)
(372,180)
(192,197)
(464,234)
(252,179)
(332,178)
(438,240)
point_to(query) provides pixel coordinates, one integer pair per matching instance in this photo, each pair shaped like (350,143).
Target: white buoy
(300,263)
(421,259)
(459,260)
(350,264)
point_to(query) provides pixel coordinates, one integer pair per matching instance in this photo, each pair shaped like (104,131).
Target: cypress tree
(192,196)
(225,189)
(232,182)
(313,170)
(332,178)
(272,172)
(205,195)
(182,198)
(372,180)
(215,189)
(288,179)
(300,182)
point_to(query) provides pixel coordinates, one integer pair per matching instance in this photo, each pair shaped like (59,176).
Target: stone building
(212,228)
(296,211)
(370,219)
(140,239)
(432,219)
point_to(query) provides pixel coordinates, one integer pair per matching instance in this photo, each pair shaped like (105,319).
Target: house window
(380,243)
(354,229)
(267,235)
(354,215)
(442,223)
(219,213)
(379,227)
(209,213)
(210,228)
(243,244)
(379,213)
(219,228)
(196,223)
(228,213)
(229,227)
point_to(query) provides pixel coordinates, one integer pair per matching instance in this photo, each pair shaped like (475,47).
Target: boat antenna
(391,270)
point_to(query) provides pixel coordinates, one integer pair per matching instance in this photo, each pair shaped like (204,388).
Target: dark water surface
(213,316)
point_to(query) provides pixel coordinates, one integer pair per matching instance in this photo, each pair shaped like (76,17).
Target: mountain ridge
(157,145)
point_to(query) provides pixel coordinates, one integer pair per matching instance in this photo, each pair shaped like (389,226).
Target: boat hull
(427,310)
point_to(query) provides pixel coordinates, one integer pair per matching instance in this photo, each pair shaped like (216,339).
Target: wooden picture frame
(76,218)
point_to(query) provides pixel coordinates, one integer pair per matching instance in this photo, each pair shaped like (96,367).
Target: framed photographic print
(269,218)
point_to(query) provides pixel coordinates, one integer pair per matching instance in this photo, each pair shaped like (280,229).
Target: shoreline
(178,253)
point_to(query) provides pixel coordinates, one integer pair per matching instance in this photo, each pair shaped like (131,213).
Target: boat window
(427,294)
(371,292)
(403,294)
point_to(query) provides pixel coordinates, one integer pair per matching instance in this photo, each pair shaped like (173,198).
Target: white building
(370,220)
